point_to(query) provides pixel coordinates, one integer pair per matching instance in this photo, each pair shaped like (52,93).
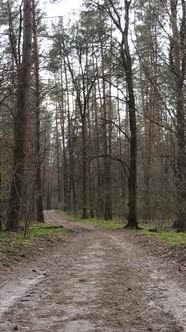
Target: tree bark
(70,147)
(127,64)
(84,172)
(39,198)
(0,189)
(58,159)
(64,164)
(179,69)
(20,122)
(98,180)
(109,161)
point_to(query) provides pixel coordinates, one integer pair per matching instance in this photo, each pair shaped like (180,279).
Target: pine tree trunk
(127,64)
(98,180)
(70,148)
(178,69)
(84,173)
(109,162)
(20,123)
(106,161)
(58,160)
(39,198)
(0,190)
(64,165)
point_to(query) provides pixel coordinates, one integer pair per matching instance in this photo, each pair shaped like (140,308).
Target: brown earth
(93,280)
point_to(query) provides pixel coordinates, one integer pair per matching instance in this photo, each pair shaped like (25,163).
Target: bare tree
(112,10)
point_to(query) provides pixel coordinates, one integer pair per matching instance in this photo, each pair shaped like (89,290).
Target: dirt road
(96,281)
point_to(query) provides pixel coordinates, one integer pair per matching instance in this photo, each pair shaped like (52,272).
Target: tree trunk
(98,180)
(178,69)
(127,64)
(91,191)
(20,123)
(109,162)
(64,166)
(112,11)
(84,173)
(70,147)
(39,198)
(106,161)
(122,177)
(0,190)
(58,160)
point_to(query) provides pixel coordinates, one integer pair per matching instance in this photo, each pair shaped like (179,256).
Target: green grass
(170,237)
(3,236)
(11,242)
(44,230)
(103,224)
(6,237)
(36,230)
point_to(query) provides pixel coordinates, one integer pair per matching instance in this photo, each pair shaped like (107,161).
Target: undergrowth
(170,237)
(10,242)
(44,230)
(100,223)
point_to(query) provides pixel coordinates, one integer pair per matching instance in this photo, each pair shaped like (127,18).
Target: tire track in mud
(11,293)
(101,281)
(164,300)
(66,300)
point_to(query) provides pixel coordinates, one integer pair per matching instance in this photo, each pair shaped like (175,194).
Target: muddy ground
(93,280)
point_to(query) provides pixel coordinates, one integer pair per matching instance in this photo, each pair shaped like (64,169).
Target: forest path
(98,281)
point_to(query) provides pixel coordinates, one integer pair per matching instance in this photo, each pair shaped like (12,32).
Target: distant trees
(100,129)
(134,99)
(83,83)
(120,18)
(83,77)
(163,75)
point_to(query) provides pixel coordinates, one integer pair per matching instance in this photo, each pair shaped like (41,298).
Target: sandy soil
(94,280)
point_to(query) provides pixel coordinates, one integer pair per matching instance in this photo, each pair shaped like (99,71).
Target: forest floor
(89,279)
